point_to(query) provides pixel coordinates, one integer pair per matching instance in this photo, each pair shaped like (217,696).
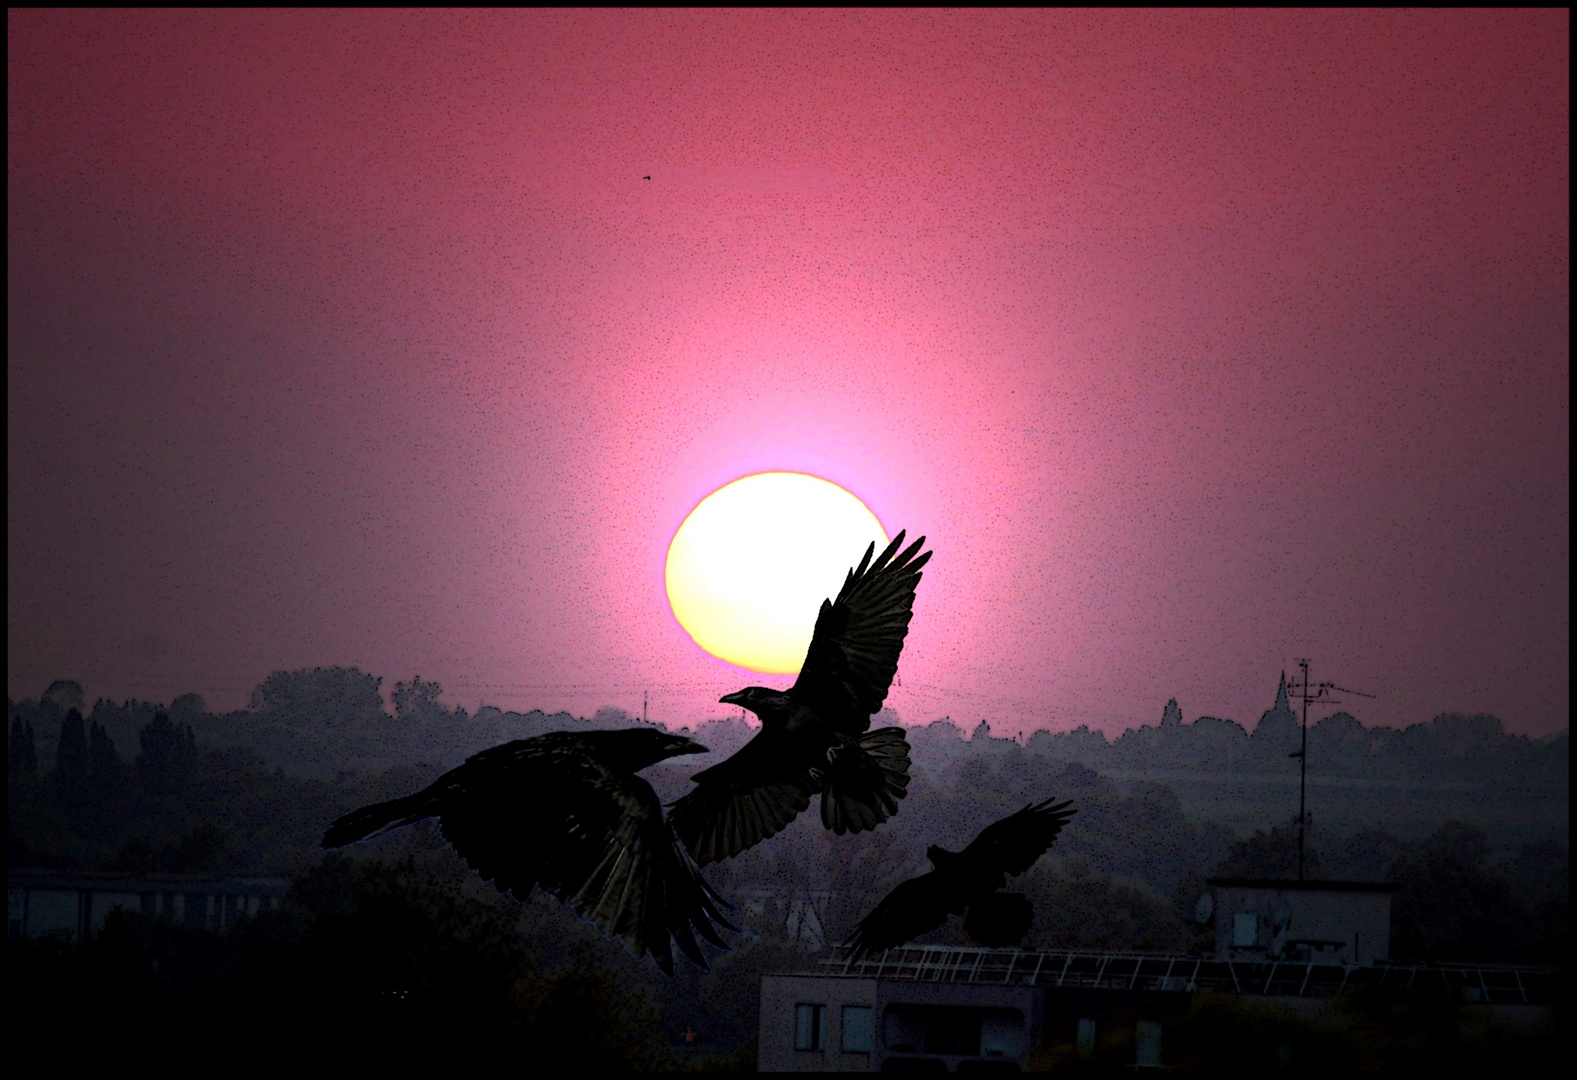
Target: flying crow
(967,879)
(815,736)
(566,812)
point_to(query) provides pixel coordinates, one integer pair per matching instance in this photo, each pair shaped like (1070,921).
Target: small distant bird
(566,812)
(967,879)
(815,736)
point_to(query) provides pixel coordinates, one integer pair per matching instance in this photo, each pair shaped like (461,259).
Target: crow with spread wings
(566,812)
(815,737)
(967,879)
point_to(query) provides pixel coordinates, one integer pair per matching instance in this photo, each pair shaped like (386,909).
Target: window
(807,1026)
(1245,930)
(1147,1044)
(857,1028)
(1086,1037)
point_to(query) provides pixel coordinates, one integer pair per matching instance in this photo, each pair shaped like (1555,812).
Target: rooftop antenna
(646,700)
(1302,753)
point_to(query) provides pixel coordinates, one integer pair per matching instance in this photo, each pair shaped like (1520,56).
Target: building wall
(1007,1020)
(779,996)
(1010,1019)
(1360,922)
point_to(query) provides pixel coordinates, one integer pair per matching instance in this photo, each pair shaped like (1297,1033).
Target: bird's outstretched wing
(853,654)
(742,801)
(551,816)
(913,907)
(1011,846)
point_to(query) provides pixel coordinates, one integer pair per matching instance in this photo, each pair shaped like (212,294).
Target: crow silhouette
(967,879)
(566,812)
(815,736)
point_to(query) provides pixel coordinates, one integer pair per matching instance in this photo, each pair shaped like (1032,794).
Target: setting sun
(749,567)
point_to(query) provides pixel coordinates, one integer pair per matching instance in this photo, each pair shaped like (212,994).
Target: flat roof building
(1336,922)
(74,905)
(945,1008)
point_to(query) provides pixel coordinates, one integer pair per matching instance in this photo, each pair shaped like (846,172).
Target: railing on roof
(1180,973)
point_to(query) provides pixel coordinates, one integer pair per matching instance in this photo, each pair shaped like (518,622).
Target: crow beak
(686,746)
(737,698)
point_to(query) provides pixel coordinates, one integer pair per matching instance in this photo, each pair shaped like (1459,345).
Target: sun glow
(748,569)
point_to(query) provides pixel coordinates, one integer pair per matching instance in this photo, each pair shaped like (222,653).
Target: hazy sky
(1195,342)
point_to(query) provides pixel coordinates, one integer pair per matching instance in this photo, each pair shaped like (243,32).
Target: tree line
(201,792)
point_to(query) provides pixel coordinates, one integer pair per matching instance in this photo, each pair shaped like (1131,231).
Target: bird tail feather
(865,780)
(378,818)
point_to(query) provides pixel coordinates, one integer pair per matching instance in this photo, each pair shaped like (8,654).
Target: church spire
(1282,704)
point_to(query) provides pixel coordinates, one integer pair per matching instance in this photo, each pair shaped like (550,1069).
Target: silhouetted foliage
(71,760)
(169,754)
(581,1017)
(64,695)
(1451,907)
(250,793)
(1272,854)
(21,752)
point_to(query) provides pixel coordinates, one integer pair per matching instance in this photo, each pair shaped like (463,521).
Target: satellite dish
(1204,908)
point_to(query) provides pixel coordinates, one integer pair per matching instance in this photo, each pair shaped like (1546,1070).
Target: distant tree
(104,778)
(63,694)
(1459,735)
(103,759)
(318,720)
(1078,908)
(417,700)
(169,754)
(188,707)
(1451,907)
(199,848)
(319,692)
(71,756)
(1271,854)
(22,752)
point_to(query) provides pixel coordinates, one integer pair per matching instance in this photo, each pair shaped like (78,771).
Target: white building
(1331,922)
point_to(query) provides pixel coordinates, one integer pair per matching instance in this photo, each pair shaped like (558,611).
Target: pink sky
(1195,342)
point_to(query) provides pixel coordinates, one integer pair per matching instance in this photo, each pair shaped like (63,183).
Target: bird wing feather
(854,651)
(742,801)
(596,839)
(913,907)
(1012,845)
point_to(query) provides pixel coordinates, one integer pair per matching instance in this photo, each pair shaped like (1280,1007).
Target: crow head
(635,748)
(755,698)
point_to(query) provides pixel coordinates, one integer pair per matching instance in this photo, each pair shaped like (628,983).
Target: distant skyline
(1195,342)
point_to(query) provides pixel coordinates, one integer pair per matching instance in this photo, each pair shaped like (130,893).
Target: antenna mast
(646,700)
(1302,753)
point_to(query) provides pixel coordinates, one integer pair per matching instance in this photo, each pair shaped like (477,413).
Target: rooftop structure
(1332,922)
